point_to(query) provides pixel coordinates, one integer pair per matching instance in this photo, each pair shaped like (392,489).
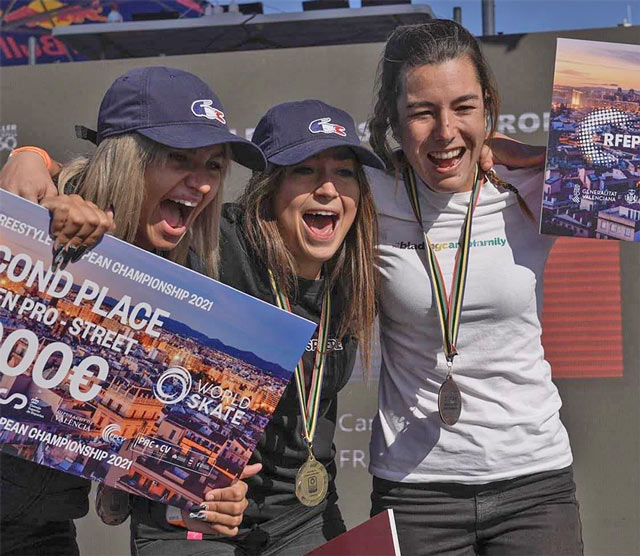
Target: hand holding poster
(129,369)
(592,178)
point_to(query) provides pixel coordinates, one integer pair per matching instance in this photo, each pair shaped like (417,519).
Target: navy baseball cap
(294,131)
(172,107)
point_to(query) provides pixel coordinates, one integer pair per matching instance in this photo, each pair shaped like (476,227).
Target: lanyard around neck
(309,405)
(449,307)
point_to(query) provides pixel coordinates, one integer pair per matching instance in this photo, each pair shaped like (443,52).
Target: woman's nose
(199,180)
(327,187)
(444,128)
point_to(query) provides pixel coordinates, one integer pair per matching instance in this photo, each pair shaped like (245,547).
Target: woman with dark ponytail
(468,448)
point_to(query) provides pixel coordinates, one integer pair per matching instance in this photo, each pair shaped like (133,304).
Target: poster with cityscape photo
(129,369)
(592,177)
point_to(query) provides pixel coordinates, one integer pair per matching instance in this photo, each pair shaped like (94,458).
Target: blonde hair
(350,271)
(114,177)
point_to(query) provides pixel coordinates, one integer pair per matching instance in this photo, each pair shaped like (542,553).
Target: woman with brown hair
(467,446)
(302,236)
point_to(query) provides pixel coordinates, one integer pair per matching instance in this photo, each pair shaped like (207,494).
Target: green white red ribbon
(449,308)
(309,405)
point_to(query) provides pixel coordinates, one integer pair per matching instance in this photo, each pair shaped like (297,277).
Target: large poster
(128,369)
(592,178)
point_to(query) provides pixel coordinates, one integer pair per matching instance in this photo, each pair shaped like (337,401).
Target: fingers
(49,190)
(201,525)
(486,158)
(224,517)
(226,531)
(251,470)
(76,224)
(216,517)
(234,493)
(98,224)
(223,508)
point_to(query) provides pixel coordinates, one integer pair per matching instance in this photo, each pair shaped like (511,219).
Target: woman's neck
(309,271)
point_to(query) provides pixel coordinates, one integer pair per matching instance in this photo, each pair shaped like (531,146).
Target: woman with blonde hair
(302,236)
(155,180)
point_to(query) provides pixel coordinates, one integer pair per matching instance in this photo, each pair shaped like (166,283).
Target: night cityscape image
(592,178)
(114,376)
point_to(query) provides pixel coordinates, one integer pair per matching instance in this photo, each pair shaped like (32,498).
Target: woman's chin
(453,182)
(161,241)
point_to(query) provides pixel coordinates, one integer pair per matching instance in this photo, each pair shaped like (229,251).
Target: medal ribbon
(309,405)
(449,308)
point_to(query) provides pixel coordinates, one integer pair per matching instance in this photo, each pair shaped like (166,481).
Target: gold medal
(312,482)
(312,479)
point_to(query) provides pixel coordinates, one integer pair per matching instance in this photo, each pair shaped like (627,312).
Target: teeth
(445,155)
(322,213)
(189,204)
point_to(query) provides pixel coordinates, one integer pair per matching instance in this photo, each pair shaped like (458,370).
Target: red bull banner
(36,18)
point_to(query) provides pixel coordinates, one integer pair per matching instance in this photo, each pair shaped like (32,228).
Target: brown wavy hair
(350,271)
(431,43)
(410,46)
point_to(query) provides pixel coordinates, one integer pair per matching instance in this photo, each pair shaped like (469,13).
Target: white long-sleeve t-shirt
(509,425)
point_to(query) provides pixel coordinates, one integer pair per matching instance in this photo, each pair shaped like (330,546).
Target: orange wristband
(44,154)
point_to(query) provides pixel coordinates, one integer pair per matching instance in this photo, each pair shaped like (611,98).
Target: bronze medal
(312,482)
(449,307)
(449,402)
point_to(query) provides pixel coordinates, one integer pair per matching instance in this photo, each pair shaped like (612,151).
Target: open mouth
(446,159)
(176,212)
(321,223)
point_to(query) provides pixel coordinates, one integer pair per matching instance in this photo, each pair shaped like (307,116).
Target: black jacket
(33,493)
(282,449)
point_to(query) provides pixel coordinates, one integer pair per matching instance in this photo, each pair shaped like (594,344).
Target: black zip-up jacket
(282,449)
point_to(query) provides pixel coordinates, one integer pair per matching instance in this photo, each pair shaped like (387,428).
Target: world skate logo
(173,386)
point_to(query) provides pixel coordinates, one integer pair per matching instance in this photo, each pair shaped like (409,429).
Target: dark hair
(431,43)
(410,46)
(351,271)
